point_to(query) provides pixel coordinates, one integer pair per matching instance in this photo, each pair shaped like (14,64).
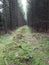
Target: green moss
(24,48)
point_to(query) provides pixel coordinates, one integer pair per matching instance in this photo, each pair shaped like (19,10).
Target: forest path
(24,44)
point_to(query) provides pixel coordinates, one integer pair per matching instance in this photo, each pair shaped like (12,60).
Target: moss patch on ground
(25,48)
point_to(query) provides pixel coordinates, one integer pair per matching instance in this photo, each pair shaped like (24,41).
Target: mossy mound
(27,48)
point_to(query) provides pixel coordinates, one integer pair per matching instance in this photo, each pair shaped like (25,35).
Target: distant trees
(6,17)
(13,9)
(10,14)
(38,14)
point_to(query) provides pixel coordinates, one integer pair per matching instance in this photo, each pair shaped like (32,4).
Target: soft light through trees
(1,9)
(1,3)
(23,6)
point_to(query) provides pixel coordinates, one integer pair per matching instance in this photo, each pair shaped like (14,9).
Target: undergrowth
(26,48)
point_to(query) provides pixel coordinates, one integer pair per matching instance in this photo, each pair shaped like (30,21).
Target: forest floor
(24,47)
